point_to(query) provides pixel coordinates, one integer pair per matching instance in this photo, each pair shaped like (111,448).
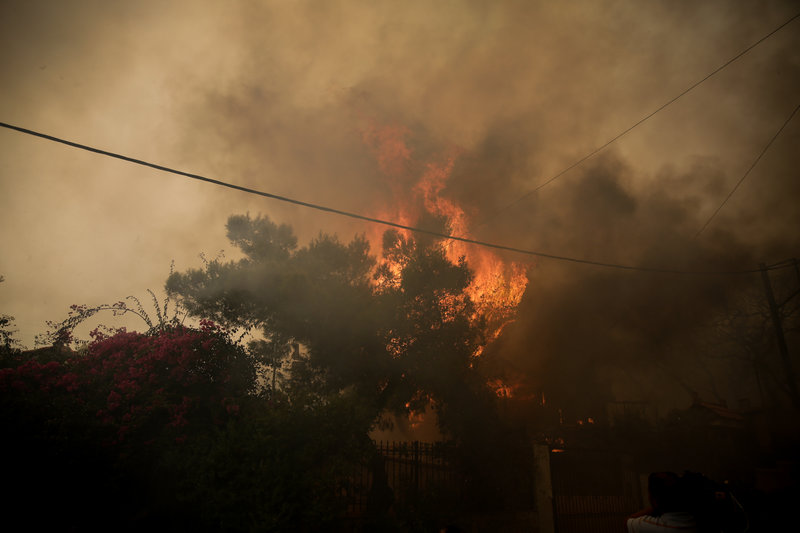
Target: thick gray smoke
(519,92)
(283,96)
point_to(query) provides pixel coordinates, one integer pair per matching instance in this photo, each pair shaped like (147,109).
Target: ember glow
(501,389)
(419,188)
(415,419)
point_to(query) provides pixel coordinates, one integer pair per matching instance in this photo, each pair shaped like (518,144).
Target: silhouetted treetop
(399,332)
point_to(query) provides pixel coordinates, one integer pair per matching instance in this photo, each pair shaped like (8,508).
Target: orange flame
(389,145)
(415,419)
(497,286)
(501,389)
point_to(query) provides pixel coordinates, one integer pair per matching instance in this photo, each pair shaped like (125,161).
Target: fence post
(416,469)
(543,488)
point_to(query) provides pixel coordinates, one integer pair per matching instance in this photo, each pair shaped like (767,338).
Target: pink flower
(113,400)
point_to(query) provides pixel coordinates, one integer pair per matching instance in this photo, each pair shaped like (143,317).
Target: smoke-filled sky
(293,98)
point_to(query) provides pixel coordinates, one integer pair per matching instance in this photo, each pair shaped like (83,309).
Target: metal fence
(593,491)
(407,469)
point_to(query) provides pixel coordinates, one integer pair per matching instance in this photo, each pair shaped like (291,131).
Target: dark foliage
(166,430)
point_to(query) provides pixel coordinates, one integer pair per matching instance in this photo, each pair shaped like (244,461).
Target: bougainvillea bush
(163,429)
(138,388)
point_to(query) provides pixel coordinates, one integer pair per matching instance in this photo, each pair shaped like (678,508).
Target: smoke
(519,92)
(283,96)
(588,335)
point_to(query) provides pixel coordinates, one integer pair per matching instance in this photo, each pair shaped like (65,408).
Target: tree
(8,344)
(399,334)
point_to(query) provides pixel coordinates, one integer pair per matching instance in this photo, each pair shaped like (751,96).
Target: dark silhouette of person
(380,497)
(670,507)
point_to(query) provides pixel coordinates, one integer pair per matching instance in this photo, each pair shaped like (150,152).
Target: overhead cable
(635,125)
(725,201)
(357,216)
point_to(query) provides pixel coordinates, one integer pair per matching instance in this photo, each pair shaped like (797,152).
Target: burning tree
(399,334)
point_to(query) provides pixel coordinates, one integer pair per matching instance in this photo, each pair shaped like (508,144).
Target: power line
(725,201)
(784,262)
(641,121)
(357,216)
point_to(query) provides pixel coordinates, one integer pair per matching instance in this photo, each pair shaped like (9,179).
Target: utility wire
(725,201)
(630,128)
(357,216)
(784,262)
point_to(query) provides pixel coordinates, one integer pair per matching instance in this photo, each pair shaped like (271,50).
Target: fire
(415,419)
(416,416)
(393,154)
(501,389)
(497,286)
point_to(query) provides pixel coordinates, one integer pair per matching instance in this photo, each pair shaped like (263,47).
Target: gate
(593,490)
(407,469)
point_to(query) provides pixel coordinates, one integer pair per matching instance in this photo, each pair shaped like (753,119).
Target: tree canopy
(185,426)
(400,332)
(397,333)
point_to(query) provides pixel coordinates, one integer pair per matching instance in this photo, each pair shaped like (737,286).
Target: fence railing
(590,491)
(398,474)
(593,491)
